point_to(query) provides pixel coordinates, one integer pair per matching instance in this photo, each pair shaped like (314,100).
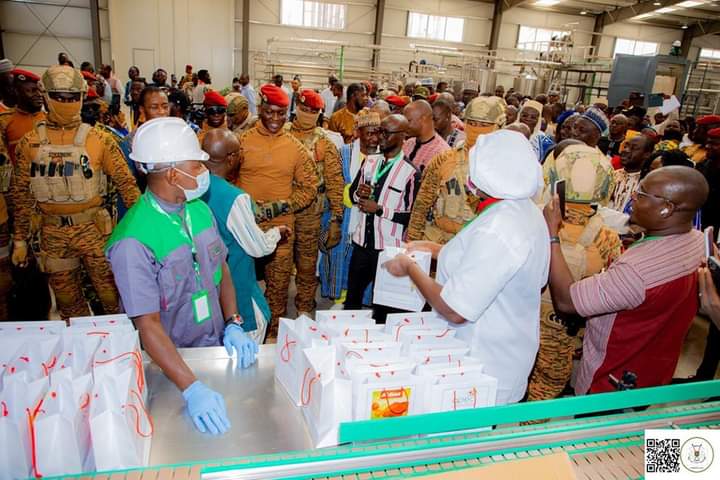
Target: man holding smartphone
(641,307)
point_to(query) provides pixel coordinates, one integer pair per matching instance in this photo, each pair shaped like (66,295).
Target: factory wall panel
(634,31)
(173,33)
(34,33)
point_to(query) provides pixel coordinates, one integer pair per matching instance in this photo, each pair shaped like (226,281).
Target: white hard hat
(166,140)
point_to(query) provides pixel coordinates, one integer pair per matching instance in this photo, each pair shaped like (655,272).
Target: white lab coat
(492,273)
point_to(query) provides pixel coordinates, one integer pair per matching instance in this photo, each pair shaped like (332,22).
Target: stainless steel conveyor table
(264,419)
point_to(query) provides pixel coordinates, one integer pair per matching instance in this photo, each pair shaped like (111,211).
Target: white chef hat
(503,164)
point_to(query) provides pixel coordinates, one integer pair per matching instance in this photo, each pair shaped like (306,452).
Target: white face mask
(203,183)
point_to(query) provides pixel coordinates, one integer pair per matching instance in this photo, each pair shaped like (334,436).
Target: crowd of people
(175,213)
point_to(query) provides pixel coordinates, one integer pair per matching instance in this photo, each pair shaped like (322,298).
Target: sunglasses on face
(215,110)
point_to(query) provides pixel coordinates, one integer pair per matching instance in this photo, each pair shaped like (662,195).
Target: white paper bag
(120,426)
(467,364)
(399,292)
(441,357)
(344,318)
(47,327)
(424,336)
(361,335)
(349,353)
(460,391)
(324,398)
(387,395)
(36,357)
(438,346)
(397,322)
(290,363)
(55,435)
(101,320)
(19,397)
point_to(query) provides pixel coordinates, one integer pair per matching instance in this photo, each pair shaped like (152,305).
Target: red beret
(708,119)
(274,95)
(396,100)
(91,93)
(714,133)
(214,99)
(21,75)
(88,76)
(433,97)
(312,99)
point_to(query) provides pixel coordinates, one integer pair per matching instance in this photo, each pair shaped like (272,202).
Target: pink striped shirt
(426,152)
(639,311)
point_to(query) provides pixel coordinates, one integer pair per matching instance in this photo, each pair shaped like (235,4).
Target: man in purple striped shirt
(640,309)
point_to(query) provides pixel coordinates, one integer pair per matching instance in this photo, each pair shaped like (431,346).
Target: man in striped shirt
(640,309)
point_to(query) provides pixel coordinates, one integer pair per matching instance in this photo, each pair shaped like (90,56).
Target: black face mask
(90,114)
(673,135)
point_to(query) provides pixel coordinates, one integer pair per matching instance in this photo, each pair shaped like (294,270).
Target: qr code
(662,455)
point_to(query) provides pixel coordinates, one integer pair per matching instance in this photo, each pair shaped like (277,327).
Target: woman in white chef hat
(489,276)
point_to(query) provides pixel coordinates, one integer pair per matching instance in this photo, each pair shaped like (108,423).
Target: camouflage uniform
(442,206)
(588,247)
(280,175)
(307,220)
(61,174)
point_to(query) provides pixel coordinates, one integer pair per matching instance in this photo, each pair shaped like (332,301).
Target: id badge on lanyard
(201,298)
(201,306)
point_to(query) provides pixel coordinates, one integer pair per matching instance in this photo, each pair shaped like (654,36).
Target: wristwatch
(234,318)
(555,239)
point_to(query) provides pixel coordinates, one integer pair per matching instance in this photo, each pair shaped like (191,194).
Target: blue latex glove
(235,337)
(206,408)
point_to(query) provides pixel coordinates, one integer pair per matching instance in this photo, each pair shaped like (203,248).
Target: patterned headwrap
(597,118)
(587,172)
(486,109)
(367,118)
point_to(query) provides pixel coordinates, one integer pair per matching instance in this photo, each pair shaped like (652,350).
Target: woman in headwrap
(588,245)
(531,115)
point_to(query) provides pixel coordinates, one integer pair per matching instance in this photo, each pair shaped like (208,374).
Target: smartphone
(709,233)
(714,267)
(559,189)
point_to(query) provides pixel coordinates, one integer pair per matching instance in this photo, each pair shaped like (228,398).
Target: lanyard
(649,238)
(380,172)
(185,229)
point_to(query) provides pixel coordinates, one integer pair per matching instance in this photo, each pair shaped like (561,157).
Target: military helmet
(62,78)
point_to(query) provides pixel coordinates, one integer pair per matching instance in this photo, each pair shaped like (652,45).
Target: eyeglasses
(387,133)
(641,193)
(215,110)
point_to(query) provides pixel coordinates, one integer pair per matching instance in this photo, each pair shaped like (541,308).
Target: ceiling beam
(506,5)
(702,28)
(626,13)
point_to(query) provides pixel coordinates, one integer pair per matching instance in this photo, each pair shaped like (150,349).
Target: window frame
(635,44)
(538,44)
(715,54)
(425,34)
(307,13)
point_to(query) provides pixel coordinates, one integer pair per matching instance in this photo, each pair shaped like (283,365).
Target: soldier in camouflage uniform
(61,173)
(588,247)
(330,188)
(443,206)
(280,175)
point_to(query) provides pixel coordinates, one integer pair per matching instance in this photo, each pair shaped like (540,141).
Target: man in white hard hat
(169,264)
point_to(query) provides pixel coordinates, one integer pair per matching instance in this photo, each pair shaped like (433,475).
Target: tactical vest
(451,210)
(309,142)
(62,174)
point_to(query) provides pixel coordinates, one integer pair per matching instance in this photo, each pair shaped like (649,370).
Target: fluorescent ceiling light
(657,4)
(583,12)
(666,10)
(689,4)
(547,3)
(644,15)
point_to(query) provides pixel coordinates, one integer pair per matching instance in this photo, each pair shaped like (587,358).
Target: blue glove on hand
(206,408)
(246,348)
